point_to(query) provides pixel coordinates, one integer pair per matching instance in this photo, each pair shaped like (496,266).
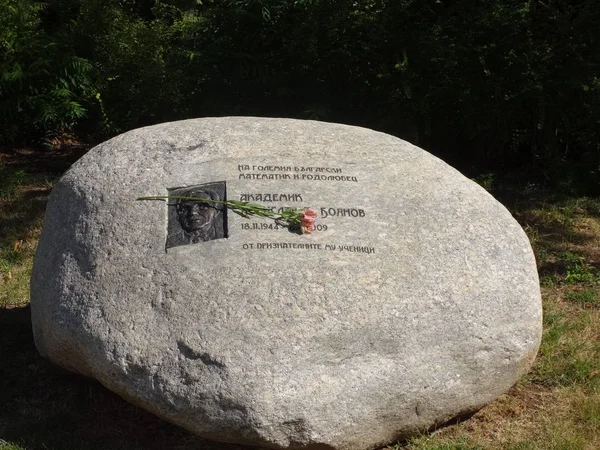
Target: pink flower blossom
(308,218)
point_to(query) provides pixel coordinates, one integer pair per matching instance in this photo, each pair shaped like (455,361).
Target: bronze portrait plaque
(195,221)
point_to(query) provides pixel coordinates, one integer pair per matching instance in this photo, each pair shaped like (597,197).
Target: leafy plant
(42,85)
(577,270)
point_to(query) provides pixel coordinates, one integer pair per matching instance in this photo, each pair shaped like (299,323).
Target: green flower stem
(289,217)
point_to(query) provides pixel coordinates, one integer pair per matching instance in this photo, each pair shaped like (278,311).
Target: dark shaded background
(490,86)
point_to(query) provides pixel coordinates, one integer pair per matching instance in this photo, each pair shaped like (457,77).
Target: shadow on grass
(556,227)
(26,178)
(44,407)
(22,212)
(51,162)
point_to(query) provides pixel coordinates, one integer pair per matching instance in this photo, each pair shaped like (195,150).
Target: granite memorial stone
(415,299)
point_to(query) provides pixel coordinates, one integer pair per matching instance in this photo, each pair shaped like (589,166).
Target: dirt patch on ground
(52,160)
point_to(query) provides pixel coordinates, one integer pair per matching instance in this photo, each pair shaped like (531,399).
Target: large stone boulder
(415,300)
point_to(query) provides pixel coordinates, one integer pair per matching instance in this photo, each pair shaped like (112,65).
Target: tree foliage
(43,84)
(486,85)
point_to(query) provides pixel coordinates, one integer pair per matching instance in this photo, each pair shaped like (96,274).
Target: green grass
(588,296)
(588,410)
(10,180)
(554,407)
(428,443)
(21,211)
(569,353)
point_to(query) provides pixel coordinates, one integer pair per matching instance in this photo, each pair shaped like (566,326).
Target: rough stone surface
(418,302)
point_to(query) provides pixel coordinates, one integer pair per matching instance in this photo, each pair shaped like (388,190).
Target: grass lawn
(555,407)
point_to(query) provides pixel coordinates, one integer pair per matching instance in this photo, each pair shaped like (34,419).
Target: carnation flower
(307,221)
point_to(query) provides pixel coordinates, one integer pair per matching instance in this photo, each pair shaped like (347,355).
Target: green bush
(42,84)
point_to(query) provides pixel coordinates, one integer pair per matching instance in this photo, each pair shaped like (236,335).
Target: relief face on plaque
(194,221)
